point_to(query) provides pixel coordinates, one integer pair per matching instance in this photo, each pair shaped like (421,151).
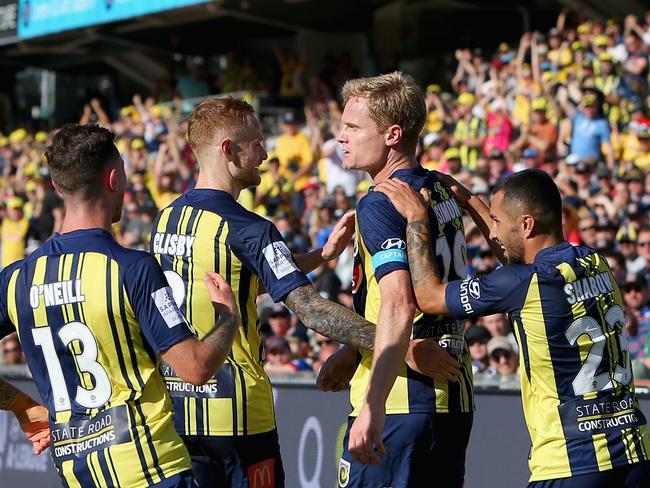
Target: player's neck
(395,162)
(86,215)
(218,182)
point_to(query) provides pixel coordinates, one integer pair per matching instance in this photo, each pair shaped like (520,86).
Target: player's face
(506,230)
(248,154)
(364,147)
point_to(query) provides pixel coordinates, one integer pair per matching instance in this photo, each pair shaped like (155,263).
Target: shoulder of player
(374,201)
(513,276)
(126,257)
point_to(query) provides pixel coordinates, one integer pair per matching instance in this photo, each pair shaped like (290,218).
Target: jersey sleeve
(152,300)
(383,232)
(503,290)
(259,245)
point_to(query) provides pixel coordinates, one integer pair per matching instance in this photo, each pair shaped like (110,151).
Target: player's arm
(330,319)
(32,417)
(196,361)
(343,325)
(394,326)
(335,245)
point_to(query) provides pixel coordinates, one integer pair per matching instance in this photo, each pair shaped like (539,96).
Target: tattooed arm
(330,319)
(33,418)
(425,276)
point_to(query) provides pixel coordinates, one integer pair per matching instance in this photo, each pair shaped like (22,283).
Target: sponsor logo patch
(393,243)
(475,289)
(278,256)
(164,300)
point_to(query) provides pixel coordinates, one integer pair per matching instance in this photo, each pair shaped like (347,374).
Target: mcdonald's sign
(262,474)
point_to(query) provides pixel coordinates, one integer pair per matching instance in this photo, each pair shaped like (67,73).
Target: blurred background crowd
(572,101)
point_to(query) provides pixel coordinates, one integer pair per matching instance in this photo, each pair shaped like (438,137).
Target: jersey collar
(417,171)
(93,231)
(552,251)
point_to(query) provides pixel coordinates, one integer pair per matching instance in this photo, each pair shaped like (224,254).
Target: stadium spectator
(280,320)
(279,358)
(503,358)
(12,351)
(477,339)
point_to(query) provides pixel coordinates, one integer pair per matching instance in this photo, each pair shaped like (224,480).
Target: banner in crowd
(41,17)
(8,18)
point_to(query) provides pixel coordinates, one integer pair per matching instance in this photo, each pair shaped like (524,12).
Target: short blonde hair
(217,116)
(393,98)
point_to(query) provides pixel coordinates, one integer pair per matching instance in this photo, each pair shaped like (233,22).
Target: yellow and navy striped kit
(576,377)
(380,249)
(207,230)
(92,318)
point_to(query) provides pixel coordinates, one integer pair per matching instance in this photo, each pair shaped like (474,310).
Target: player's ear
(226,148)
(393,135)
(113,182)
(529,225)
(57,189)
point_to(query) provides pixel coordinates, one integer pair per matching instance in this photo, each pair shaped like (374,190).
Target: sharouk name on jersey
(57,293)
(447,211)
(589,287)
(173,244)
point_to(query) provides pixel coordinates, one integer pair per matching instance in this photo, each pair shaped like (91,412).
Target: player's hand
(340,237)
(461,194)
(410,204)
(336,373)
(427,357)
(220,292)
(33,421)
(365,440)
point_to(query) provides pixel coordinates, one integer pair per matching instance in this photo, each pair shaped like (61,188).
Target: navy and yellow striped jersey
(380,249)
(207,230)
(576,377)
(92,318)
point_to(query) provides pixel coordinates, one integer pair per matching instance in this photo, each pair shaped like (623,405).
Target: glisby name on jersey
(589,287)
(447,211)
(58,293)
(173,244)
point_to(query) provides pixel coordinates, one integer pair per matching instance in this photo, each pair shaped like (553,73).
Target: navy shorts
(631,476)
(180,480)
(238,462)
(421,450)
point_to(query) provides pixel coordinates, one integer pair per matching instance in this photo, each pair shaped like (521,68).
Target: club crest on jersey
(344,473)
(393,243)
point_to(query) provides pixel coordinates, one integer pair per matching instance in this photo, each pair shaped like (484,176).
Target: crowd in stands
(572,101)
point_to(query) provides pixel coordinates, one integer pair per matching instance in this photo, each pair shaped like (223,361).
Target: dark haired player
(585,423)
(94,319)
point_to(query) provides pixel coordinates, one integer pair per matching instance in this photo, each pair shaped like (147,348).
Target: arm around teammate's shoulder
(196,361)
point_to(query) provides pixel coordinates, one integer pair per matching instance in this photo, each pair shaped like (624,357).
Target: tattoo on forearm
(422,264)
(8,394)
(221,336)
(330,319)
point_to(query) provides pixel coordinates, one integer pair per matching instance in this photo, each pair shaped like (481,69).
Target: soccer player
(417,426)
(230,430)
(585,424)
(93,319)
